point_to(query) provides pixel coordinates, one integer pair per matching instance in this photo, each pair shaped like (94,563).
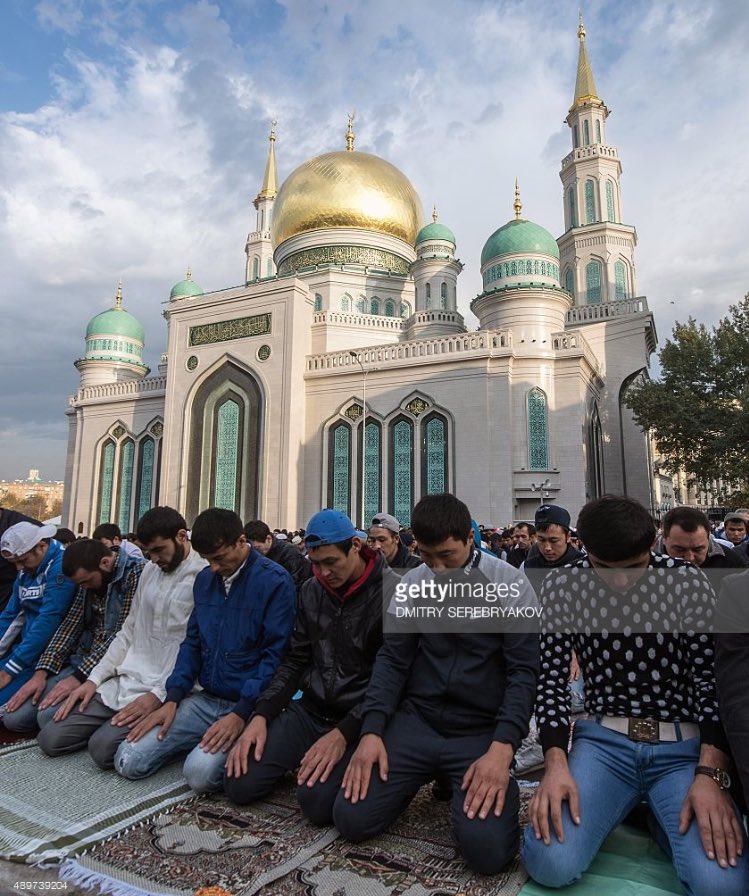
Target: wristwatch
(719,775)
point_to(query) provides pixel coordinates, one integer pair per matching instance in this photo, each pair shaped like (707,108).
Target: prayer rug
(268,848)
(52,808)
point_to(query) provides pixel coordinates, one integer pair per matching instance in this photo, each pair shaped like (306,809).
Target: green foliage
(698,411)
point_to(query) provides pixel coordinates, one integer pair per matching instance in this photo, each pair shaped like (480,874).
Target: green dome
(115,322)
(519,237)
(435,231)
(185,288)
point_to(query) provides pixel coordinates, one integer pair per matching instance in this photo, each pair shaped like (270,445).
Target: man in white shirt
(128,682)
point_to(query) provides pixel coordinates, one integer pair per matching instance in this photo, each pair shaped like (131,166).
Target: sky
(133,138)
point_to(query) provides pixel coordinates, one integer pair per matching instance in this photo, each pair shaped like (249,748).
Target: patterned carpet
(270,848)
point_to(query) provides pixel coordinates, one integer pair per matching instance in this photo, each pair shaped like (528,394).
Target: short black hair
(256,530)
(86,553)
(529,526)
(615,527)
(439,517)
(65,536)
(107,530)
(687,518)
(159,522)
(214,528)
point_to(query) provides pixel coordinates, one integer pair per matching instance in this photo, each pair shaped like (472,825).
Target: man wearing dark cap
(384,536)
(40,598)
(735,531)
(280,550)
(337,634)
(552,547)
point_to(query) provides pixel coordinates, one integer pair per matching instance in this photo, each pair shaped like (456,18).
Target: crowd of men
(370,663)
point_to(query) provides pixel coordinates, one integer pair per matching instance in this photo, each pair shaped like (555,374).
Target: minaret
(259,250)
(596,249)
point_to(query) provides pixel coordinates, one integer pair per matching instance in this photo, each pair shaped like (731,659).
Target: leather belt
(649,730)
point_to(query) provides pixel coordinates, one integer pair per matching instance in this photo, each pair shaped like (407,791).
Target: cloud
(151,143)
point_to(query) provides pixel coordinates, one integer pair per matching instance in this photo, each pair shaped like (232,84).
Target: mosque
(341,374)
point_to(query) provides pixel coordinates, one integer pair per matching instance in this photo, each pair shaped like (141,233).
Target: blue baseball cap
(328,527)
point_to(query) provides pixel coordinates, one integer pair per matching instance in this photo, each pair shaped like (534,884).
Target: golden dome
(347,189)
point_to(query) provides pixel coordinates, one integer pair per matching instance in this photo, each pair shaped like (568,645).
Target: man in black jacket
(384,535)
(447,699)
(337,633)
(293,561)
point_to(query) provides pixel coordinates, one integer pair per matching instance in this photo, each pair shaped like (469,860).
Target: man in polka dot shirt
(639,625)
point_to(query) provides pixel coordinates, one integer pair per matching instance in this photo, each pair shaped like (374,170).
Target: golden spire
(585,85)
(118,297)
(517,204)
(350,133)
(188,275)
(269,189)
(434,213)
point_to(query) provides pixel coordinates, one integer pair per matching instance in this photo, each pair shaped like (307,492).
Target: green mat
(629,864)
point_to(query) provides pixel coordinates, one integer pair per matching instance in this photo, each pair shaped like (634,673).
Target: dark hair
(256,530)
(687,518)
(438,517)
(529,526)
(159,522)
(107,530)
(214,528)
(615,528)
(65,536)
(86,553)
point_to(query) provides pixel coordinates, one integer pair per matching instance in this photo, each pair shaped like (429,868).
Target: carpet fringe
(72,871)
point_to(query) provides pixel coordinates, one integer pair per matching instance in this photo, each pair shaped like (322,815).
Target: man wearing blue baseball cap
(337,634)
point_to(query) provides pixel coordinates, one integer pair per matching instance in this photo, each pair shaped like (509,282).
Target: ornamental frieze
(223,331)
(365,255)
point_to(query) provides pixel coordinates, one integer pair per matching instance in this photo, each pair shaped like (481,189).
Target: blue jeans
(195,715)
(614,774)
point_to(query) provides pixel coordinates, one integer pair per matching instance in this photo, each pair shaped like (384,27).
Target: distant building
(341,374)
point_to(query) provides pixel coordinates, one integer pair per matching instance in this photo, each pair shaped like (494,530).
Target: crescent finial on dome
(350,136)
(517,204)
(118,297)
(434,213)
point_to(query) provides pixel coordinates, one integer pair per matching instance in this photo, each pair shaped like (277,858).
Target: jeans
(290,735)
(27,718)
(195,715)
(614,774)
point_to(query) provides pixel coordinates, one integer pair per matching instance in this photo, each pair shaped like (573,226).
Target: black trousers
(416,753)
(290,735)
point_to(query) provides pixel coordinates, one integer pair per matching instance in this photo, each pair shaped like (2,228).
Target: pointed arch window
(374,306)
(598,131)
(538,437)
(569,281)
(402,468)
(389,312)
(106,482)
(576,136)
(434,473)
(227,455)
(339,467)
(405,310)
(256,268)
(593,282)
(610,209)
(372,472)
(269,268)
(586,133)
(146,469)
(361,305)
(620,281)
(318,302)
(261,217)
(443,296)
(590,202)
(125,496)
(345,304)
(572,207)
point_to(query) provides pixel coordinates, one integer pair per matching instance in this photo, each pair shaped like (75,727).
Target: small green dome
(115,322)
(435,231)
(185,288)
(519,237)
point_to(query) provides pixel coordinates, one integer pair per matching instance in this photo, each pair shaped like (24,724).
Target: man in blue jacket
(236,636)
(39,601)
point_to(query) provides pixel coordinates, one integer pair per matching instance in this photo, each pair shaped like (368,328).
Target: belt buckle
(645,730)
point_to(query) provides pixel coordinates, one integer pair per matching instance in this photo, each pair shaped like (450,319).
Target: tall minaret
(259,250)
(596,249)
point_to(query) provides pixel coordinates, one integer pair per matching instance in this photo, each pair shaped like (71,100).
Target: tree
(698,410)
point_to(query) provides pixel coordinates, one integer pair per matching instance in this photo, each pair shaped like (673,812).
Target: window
(345,303)
(586,133)
(339,467)
(434,478)
(402,469)
(576,136)
(371,470)
(124,498)
(227,455)
(361,305)
(598,131)
(389,312)
(590,202)
(405,310)
(538,447)
(106,482)
(428,293)
(572,207)
(443,296)
(146,466)
(610,212)
(569,281)
(514,268)
(374,306)
(318,302)
(593,281)
(269,268)
(620,281)
(255,268)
